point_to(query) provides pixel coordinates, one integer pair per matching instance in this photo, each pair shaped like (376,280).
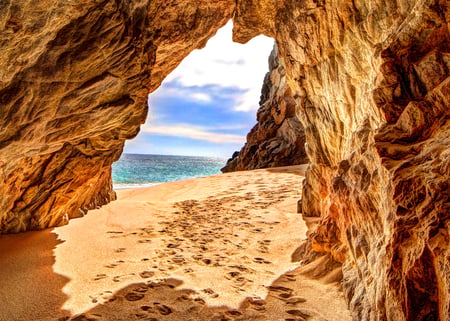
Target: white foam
(133,185)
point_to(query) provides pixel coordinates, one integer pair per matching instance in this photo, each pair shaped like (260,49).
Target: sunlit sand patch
(217,242)
(215,248)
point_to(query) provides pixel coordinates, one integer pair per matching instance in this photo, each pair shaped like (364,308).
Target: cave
(369,80)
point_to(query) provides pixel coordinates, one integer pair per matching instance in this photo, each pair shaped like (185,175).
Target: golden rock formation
(370,80)
(74,80)
(278,139)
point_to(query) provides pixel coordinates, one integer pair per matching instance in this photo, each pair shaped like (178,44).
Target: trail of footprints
(162,300)
(211,228)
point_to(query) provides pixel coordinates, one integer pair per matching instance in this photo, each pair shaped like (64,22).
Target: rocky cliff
(370,79)
(74,80)
(372,82)
(278,138)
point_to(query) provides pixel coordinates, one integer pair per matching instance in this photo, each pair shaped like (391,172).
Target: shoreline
(120,187)
(184,250)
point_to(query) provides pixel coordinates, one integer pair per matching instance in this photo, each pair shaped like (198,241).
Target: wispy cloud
(204,94)
(193,132)
(224,63)
(201,97)
(207,105)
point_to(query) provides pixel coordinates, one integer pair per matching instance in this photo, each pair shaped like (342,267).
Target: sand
(214,248)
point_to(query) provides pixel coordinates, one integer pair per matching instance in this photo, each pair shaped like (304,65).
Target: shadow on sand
(306,293)
(27,279)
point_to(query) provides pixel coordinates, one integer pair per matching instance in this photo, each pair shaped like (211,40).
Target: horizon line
(147,154)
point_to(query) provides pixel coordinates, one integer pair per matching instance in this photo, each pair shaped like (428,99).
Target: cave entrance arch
(197,86)
(205,107)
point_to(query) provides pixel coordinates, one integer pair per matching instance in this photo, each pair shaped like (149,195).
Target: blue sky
(208,104)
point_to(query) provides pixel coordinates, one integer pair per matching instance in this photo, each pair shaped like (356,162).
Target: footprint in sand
(146,308)
(143,316)
(207,261)
(120,250)
(146,274)
(263,249)
(173,245)
(233,313)
(211,293)
(111,265)
(197,257)
(260,260)
(137,294)
(303,315)
(231,275)
(284,295)
(100,277)
(241,268)
(178,259)
(163,309)
(119,278)
(115,234)
(289,278)
(115,264)
(277,288)
(144,241)
(200,301)
(295,300)
(257,303)
(132,296)
(241,281)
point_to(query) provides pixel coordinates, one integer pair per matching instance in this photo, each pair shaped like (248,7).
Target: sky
(208,104)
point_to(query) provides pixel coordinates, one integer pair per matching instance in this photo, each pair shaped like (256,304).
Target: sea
(135,170)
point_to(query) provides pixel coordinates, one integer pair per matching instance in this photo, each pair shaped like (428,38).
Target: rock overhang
(371,83)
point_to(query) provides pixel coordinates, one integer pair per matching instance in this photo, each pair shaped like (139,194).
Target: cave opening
(371,79)
(200,115)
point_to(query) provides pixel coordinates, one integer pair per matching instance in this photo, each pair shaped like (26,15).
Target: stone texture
(74,79)
(370,79)
(278,138)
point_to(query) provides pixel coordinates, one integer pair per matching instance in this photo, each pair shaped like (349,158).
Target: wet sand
(214,248)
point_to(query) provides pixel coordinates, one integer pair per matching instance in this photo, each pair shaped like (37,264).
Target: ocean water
(133,170)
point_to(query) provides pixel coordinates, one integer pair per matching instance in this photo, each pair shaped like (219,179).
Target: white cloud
(193,132)
(223,74)
(227,64)
(201,97)
(193,94)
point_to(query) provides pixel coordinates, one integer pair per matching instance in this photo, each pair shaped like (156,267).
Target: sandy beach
(213,248)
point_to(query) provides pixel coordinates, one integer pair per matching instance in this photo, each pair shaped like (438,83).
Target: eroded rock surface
(371,82)
(278,138)
(74,80)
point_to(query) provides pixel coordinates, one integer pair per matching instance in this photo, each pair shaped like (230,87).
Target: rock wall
(74,80)
(371,82)
(278,138)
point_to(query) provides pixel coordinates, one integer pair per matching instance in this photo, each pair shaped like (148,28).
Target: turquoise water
(133,170)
